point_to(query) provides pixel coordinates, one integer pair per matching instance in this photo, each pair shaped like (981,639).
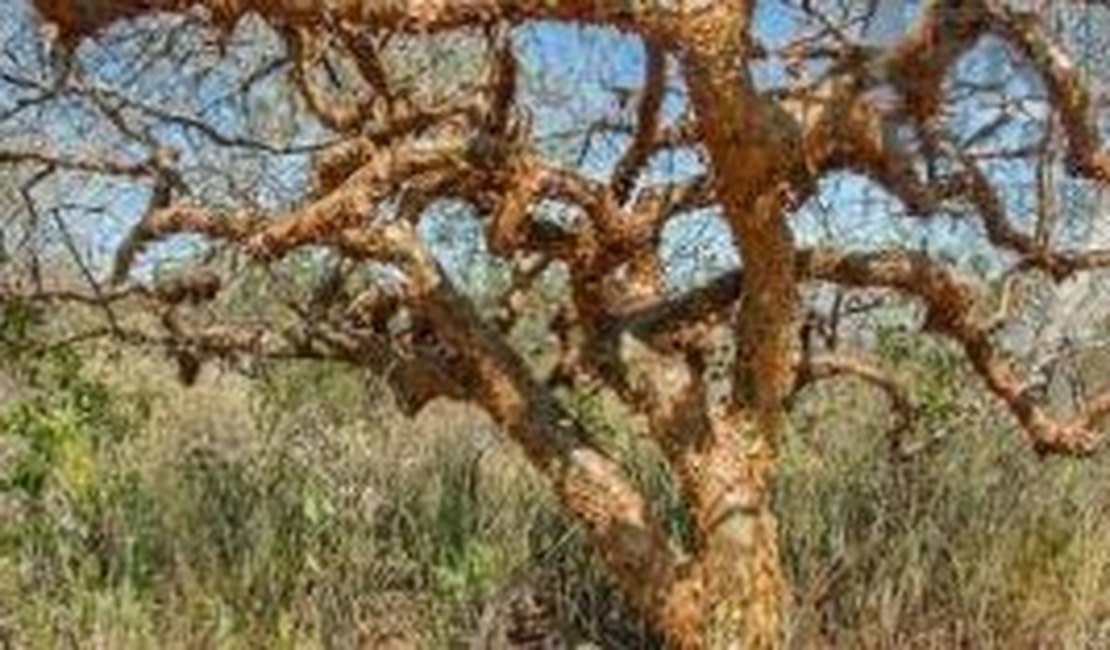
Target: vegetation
(299,509)
(363,324)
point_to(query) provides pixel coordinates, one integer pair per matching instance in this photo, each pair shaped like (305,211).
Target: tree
(776,97)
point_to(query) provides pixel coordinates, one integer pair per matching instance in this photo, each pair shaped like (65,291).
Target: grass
(299,510)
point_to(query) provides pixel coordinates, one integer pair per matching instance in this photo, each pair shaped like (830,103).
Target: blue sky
(575,76)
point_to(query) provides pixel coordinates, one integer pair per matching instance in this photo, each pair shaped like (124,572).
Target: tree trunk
(743,577)
(742,573)
(752,147)
(729,594)
(737,560)
(732,595)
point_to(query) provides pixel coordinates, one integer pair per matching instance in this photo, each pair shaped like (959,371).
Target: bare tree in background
(775,97)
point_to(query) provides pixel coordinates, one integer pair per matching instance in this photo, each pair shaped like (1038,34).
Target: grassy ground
(298,510)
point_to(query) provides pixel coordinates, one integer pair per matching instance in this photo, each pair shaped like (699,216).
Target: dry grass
(299,510)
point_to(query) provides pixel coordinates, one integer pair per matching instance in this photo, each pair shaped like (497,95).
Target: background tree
(337,187)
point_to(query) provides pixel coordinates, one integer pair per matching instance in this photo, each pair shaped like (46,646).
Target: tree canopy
(724,210)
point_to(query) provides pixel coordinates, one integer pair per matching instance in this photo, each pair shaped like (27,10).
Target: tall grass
(299,510)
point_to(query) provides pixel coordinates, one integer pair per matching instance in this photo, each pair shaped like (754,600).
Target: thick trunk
(755,153)
(739,558)
(730,593)
(736,562)
(744,581)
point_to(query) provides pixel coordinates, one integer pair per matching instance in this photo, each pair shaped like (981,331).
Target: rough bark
(747,140)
